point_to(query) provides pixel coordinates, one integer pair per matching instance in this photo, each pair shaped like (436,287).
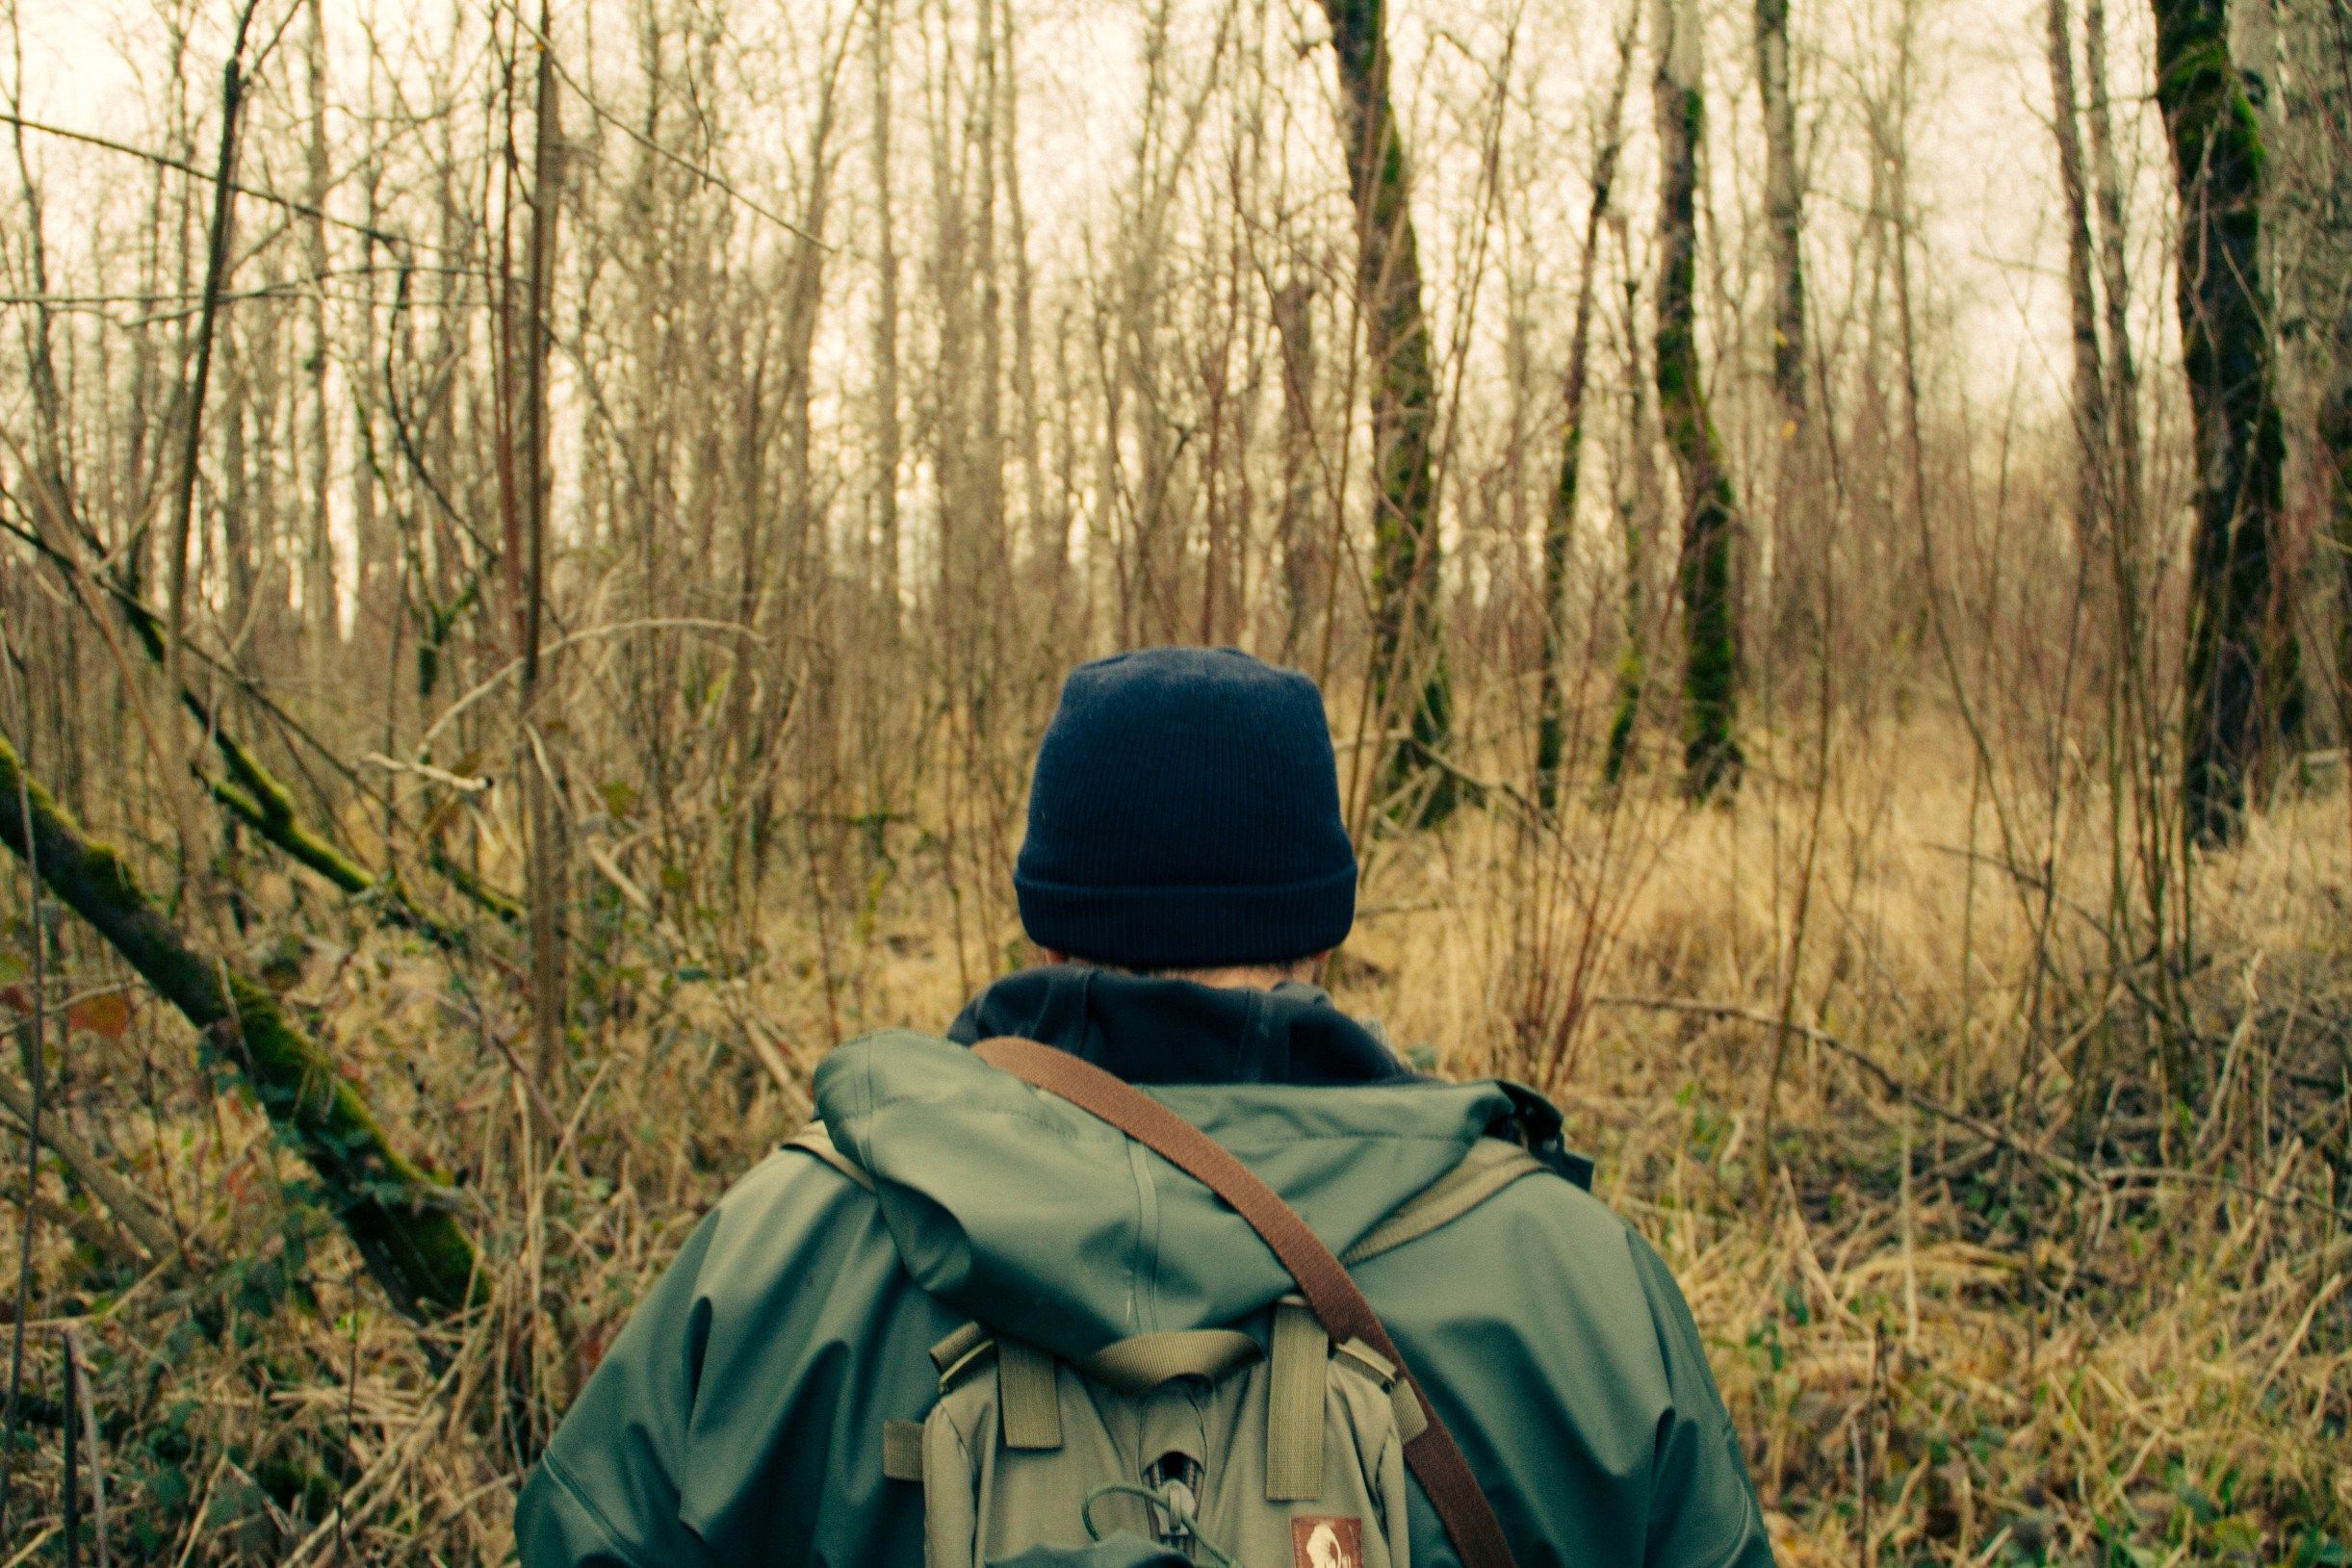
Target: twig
(547,50)
(183,167)
(460,783)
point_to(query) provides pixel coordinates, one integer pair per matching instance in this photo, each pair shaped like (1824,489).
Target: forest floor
(2027,1243)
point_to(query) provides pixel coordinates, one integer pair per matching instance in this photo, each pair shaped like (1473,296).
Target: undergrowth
(2010,1243)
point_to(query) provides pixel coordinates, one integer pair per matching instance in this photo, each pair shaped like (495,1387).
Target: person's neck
(1226,977)
(1261,976)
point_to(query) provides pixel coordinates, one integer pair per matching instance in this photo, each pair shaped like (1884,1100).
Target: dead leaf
(106,1015)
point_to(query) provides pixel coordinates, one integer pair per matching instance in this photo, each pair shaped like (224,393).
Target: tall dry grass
(1974,1294)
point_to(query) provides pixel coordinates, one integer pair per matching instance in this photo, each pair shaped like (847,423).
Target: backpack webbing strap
(1490,1165)
(902,1451)
(1029,1395)
(1434,1455)
(1296,1370)
(1028,1388)
(1143,1362)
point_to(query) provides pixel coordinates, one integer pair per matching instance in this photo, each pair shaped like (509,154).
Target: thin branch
(209,176)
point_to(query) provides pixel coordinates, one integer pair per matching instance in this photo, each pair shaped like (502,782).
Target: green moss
(2243,688)
(397,1214)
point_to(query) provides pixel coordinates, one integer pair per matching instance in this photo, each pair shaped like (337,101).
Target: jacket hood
(1030,1216)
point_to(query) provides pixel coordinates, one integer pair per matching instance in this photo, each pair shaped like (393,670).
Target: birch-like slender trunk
(2090,412)
(1295,540)
(1559,520)
(2123,485)
(888,443)
(320,620)
(1783,213)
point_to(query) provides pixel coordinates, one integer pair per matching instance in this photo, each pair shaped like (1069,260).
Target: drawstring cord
(1209,1553)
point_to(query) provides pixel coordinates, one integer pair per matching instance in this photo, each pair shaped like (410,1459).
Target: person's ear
(1053,955)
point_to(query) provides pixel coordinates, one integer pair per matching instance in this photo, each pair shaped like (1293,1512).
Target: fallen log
(400,1217)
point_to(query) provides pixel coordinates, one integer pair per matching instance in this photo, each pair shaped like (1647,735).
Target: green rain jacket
(737,1418)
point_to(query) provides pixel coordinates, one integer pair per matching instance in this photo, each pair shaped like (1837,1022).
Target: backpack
(1254,1444)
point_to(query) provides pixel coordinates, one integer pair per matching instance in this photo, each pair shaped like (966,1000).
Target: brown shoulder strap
(1434,1457)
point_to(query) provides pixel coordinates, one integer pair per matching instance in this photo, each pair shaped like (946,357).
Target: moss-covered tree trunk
(2240,674)
(1711,519)
(399,1215)
(1408,667)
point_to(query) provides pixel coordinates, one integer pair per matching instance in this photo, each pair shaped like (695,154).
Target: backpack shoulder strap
(1490,1165)
(1432,1455)
(817,1140)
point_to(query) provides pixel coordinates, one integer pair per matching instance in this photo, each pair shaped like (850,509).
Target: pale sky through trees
(1982,168)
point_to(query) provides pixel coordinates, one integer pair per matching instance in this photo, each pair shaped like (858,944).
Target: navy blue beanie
(1185,815)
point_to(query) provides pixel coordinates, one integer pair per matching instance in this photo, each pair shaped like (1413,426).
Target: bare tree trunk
(981,130)
(320,615)
(216,262)
(952,389)
(2090,411)
(529,342)
(1711,521)
(1047,531)
(1294,326)
(2240,674)
(2334,434)
(1637,504)
(887,441)
(2321,54)
(1783,211)
(2123,483)
(1409,679)
(1560,521)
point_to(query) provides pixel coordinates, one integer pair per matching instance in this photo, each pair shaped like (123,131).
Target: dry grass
(2029,1313)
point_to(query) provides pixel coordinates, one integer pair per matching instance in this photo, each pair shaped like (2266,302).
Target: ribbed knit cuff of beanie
(1185,814)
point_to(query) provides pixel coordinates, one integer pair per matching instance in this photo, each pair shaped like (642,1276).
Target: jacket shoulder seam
(1751,1525)
(572,1488)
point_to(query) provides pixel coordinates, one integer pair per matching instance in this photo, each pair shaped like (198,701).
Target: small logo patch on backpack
(1325,1541)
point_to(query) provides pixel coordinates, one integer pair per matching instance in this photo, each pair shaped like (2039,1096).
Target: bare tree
(887,448)
(2091,381)
(1783,210)
(1409,680)
(2123,486)
(1559,520)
